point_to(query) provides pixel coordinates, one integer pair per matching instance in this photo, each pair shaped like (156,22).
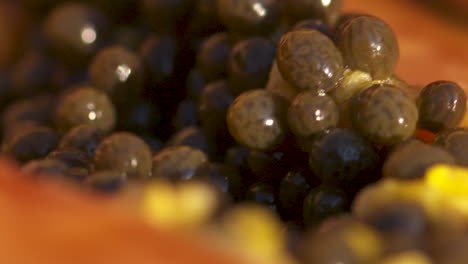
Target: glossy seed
(82,137)
(73,158)
(341,157)
(249,64)
(310,114)
(124,152)
(186,115)
(368,44)
(106,181)
(257,119)
(236,156)
(441,105)
(193,137)
(309,60)
(213,56)
(455,141)
(119,73)
(249,16)
(323,202)
(86,105)
(38,109)
(45,167)
(143,117)
(195,83)
(384,114)
(75,32)
(213,105)
(32,144)
(177,163)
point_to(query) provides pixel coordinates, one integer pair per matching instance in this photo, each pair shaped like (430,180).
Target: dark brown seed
(212,58)
(106,181)
(48,167)
(155,144)
(323,202)
(309,60)
(73,158)
(77,174)
(177,163)
(186,115)
(195,84)
(38,109)
(455,141)
(86,105)
(215,100)
(327,11)
(119,73)
(125,152)
(257,119)
(141,118)
(17,128)
(368,44)
(384,114)
(193,137)
(236,156)
(249,64)
(159,54)
(32,144)
(310,113)
(75,32)
(341,157)
(441,105)
(83,137)
(249,16)
(224,177)
(410,160)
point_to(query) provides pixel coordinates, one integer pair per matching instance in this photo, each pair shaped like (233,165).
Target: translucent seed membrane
(384,114)
(257,119)
(309,60)
(368,44)
(310,114)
